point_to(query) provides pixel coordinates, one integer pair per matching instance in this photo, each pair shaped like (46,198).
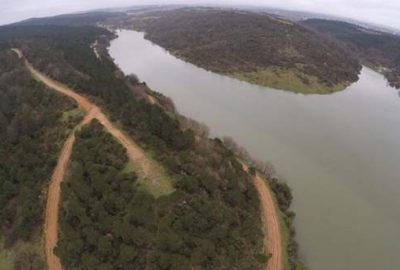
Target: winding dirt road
(272,238)
(272,234)
(53,197)
(135,153)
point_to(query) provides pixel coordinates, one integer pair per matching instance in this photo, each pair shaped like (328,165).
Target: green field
(287,79)
(156,186)
(25,254)
(6,259)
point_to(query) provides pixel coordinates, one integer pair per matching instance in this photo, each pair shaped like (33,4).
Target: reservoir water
(339,153)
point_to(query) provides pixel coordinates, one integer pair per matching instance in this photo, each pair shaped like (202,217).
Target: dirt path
(271,222)
(272,234)
(135,153)
(53,198)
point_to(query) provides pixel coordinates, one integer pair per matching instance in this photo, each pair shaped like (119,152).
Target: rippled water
(340,153)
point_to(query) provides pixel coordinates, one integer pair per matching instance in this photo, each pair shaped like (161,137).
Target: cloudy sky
(383,12)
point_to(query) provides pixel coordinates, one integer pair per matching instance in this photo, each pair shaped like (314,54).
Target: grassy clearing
(34,247)
(72,115)
(71,118)
(288,79)
(301,266)
(157,185)
(6,258)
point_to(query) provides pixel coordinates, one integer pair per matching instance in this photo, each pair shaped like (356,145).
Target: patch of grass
(301,266)
(128,168)
(34,248)
(155,185)
(288,79)
(75,113)
(72,117)
(6,258)
(159,184)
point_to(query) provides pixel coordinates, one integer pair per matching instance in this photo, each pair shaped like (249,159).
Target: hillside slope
(211,220)
(254,47)
(111,216)
(377,49)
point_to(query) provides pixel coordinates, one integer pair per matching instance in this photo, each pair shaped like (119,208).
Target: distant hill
(376,49)
(77,19)
(250,46)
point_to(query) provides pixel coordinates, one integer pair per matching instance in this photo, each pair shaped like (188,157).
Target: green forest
(211,220)
(215,206)
(376,49)
(254,47)
(33,125)
(110,223)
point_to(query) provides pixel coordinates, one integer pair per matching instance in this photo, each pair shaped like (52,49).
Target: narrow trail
(135,153)
(272,233)
(272,238)
(53,197)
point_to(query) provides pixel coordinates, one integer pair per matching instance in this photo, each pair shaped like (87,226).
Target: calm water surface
(340,153)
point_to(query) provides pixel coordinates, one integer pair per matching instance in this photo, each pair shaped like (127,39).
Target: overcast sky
(383,12)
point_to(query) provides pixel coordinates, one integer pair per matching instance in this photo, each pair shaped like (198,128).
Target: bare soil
(272,237)
(272,233)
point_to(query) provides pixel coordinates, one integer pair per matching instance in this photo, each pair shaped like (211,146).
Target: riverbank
(276,222)
(254,47)
(313,141)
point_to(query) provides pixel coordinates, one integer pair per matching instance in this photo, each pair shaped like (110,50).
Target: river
(339,153)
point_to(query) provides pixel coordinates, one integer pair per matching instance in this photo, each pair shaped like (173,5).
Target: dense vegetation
(33,125)
(376,49)
(211,221)
(283,197)
(250,46)
(109,223)
(80,19)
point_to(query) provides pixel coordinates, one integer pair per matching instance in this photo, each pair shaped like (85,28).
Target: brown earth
(272,238)
(272,235)
(53,198)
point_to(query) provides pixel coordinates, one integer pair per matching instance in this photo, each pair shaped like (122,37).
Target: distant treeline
(240,42)
(374,48)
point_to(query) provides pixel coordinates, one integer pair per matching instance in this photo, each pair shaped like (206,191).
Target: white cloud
(384,12)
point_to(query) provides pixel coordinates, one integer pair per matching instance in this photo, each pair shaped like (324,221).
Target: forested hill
(251,46)
(377,49)
(80,19)
(209,219)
